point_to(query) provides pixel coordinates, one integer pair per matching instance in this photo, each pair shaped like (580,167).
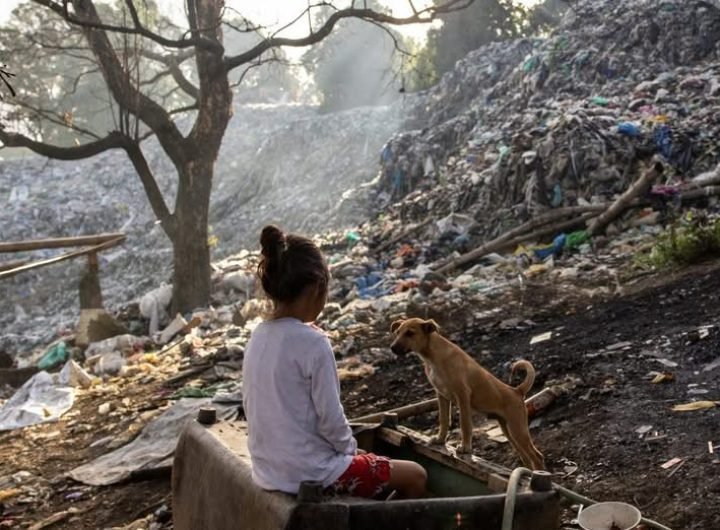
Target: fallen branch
(515,237)
(626,200)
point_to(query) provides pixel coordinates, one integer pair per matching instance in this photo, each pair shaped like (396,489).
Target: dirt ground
(606,439)
(591,434)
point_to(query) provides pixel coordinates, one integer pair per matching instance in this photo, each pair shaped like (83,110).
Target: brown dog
(458,379)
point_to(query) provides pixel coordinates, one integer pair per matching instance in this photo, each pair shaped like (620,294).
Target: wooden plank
(59,242)
(473,466)
(393,437)
(62,257)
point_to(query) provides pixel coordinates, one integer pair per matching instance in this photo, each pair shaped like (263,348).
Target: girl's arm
(333,424)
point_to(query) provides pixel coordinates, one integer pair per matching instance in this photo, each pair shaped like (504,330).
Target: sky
(271,12)
(277,12)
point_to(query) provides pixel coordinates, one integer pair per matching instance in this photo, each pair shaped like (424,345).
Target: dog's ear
(395,325)
(430,326)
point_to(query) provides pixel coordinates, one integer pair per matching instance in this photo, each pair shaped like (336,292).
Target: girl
(296,425)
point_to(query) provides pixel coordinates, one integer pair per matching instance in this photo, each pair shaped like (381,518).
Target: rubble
(275,158)
(486,218)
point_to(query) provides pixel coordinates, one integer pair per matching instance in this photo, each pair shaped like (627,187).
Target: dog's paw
(464,450)
(437,440)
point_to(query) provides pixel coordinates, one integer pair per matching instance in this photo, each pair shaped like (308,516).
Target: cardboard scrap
(670,463)
(695,405)
(541,338)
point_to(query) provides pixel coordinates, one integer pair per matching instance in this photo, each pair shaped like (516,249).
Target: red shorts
(367,476)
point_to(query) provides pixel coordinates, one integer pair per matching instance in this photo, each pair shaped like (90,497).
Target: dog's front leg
(444,416)
(463,403)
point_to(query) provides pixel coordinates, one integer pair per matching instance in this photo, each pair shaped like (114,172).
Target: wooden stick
(625,201)
(406,411)
(402,412)
(59,242)
(62,257)
(7,265)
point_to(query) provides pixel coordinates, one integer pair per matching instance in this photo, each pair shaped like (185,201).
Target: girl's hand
(360,452)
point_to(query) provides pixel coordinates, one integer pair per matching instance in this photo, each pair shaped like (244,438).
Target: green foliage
(689,240)
(483,22)
(62,97)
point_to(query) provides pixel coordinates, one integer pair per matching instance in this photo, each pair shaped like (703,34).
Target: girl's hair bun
(272,241)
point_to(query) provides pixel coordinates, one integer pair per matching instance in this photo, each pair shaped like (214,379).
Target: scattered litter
(643,429)
(541,338)
(695,405)
(56,355)
(667,362)
(664,377)
(39,400)
(8,494)
(153,448)
(672,462)
(496,435)
(681,464)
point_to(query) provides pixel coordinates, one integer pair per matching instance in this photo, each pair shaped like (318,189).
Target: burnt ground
(594,426)
(588,436)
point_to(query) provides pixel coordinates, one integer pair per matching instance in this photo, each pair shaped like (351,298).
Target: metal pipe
(511,495)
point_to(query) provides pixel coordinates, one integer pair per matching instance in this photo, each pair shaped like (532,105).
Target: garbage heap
(525,127)
(281,163)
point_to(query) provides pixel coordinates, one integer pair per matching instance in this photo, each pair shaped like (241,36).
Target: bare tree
(209,90)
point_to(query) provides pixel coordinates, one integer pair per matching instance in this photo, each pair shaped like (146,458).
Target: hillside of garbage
(281,163)
(519,203)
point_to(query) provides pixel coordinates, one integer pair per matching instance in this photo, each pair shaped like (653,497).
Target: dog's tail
(527,383)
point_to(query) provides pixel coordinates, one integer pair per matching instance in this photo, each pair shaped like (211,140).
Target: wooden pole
(90,292)
(59,242)
(62,257)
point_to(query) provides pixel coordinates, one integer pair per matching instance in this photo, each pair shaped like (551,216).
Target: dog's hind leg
(444,418)
(519,449)
(518,433)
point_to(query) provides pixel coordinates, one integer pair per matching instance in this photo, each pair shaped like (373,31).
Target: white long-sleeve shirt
(297,429)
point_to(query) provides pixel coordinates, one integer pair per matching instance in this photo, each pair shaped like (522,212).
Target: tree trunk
(191,253)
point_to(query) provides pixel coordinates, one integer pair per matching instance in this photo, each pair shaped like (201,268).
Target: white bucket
(603,515)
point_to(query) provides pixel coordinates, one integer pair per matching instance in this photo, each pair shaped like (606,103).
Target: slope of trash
(537,124)
(283,163)
(518,212)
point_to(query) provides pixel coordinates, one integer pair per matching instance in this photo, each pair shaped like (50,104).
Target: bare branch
(137,29)
(155,196)
(186,108)
(52,117)
(396,44)
(119,82)
(114,140)
(425,15)
(259,62)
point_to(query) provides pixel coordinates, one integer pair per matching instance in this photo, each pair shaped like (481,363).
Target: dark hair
(289,264)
